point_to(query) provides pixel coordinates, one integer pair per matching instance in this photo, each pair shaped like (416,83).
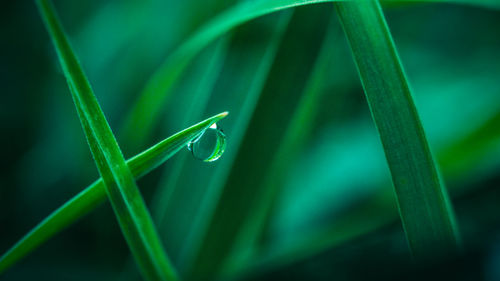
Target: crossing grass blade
(95,194)
(423,201)
(126,200)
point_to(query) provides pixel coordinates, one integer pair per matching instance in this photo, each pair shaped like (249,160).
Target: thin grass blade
(126,200)
(95,194)
(159,88)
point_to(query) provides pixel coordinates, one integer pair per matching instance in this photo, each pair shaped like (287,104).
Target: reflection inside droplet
(209,145)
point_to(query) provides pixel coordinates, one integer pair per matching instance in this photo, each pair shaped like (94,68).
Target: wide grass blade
(95,194)
(126,200)
(424,206)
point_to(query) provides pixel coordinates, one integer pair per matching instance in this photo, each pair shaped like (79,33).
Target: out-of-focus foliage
(332,214)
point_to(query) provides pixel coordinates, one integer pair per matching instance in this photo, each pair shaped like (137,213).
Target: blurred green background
(303,191)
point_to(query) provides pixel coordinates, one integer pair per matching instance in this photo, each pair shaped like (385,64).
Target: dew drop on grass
(209,145)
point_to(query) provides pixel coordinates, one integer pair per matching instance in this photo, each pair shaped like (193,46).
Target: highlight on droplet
(209,145)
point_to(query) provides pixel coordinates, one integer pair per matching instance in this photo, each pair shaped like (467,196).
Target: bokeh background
(303,160)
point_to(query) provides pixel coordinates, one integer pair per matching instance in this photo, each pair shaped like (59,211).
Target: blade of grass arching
(276,105)
(423,202)
(126,200)
(297,133)
(158,89)
(95,194)
(244,72)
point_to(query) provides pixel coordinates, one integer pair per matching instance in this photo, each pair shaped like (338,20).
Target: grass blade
(157,90)
(95,194)
(126,200)
(423,201)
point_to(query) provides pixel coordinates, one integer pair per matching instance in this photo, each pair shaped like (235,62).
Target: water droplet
(209,145)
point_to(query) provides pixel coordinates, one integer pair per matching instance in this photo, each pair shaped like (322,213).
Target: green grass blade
(145,113)
(95,194)
(158,89)
(127,202)
(423,201)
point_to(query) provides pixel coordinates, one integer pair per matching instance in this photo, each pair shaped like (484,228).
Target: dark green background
(451,57)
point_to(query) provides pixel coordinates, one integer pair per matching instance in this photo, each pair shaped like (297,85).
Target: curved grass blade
(95,194)
(126,200)
(423,202)
(157,90)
